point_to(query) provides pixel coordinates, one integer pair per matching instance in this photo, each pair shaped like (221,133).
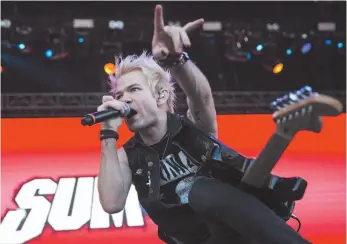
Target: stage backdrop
(49,169)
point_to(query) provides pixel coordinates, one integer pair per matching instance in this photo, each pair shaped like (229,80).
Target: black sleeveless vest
(212,157)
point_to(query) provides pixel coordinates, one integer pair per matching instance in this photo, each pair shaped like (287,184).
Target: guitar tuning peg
(285,98)
(306,90)
(293,97)
(273,105)
(303,111)
(300,95)
(309,109)
(277,104)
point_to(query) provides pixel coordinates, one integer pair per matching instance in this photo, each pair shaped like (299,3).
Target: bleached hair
(157,77)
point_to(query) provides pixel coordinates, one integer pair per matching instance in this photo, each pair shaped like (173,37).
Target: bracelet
(105,134)
(171,61)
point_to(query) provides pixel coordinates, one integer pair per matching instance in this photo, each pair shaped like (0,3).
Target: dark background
(324,67)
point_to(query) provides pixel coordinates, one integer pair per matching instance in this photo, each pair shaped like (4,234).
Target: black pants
(235,217)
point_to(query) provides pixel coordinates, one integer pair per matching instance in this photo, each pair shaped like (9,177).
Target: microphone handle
(94,118)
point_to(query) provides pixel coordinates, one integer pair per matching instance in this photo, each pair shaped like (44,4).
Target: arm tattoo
(197,116)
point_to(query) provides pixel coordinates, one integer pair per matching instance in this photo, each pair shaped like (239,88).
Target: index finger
(193,25)
(107,98)
(158,19)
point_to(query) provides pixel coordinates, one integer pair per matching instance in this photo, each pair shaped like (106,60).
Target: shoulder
(130,143)
(124,152)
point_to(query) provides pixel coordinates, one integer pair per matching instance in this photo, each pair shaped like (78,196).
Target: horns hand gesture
(170,39)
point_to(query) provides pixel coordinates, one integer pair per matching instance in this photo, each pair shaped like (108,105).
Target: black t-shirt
(177,172)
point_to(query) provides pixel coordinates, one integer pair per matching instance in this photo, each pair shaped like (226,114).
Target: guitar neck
(262,166)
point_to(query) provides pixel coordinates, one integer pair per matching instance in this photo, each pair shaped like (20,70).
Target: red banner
(50,166)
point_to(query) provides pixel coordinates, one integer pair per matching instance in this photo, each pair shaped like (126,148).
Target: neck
(157,131)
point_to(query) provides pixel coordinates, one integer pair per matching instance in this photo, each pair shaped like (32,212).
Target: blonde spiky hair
(157,77)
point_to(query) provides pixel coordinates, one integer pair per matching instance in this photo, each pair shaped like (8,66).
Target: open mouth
(131,114)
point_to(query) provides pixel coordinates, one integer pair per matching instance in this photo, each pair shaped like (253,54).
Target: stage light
(306,48)
(304,36)
(273,65)
(340,45)
(81,40)
(109,68)
(289,51)
(116,25)
(83,23)
(328,42)
(277,68)
(1,69)
(21,46)
(5,23)
(249,56)
(49,53)
(259,47)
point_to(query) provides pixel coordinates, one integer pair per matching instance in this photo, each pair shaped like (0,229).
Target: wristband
(106,134)
(171,61)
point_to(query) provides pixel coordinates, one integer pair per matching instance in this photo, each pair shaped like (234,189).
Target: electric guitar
(297,111)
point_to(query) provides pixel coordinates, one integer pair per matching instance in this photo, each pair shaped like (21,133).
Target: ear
(162,97)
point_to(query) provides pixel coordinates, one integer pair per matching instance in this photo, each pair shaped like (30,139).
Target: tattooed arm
(201,109)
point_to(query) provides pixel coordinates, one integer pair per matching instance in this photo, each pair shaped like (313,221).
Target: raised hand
(170,40)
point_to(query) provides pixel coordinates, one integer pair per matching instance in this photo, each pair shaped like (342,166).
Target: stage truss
(77,104)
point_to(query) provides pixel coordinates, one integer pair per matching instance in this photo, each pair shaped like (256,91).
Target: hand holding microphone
(109,113)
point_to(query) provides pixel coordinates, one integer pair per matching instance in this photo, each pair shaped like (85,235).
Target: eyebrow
(126,88)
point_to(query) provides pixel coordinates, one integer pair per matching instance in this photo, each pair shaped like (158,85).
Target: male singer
(167,158)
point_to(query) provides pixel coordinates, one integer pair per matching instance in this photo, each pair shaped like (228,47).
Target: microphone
(97,117)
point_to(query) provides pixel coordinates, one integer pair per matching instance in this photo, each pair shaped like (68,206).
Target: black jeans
(235,217)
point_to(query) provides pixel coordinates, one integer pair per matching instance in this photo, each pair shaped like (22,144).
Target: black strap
(105,134)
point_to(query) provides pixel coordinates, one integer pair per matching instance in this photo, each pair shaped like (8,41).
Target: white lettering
(74,204)
(175,166)
(99,218)
(28,221)
(132,210)
(71,206)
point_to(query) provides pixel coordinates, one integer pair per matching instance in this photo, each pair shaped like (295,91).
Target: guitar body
(278,193)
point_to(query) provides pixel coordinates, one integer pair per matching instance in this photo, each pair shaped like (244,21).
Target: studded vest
(212,157)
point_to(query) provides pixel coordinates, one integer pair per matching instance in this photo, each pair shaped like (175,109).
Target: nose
(126,98)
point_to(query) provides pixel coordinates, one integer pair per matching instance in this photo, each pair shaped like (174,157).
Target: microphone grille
(127,110)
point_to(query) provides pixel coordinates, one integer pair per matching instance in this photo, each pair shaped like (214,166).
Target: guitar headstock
(302,110)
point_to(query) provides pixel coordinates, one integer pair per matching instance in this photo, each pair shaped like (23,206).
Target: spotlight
(328,42)
(340,45)
(259,47)
(49,53)
(289,51)
(277,68)
(116,25)
(110,68)
(81,40)
(5,23)
(249,56)
(273,65)
(21,46)
(306,48)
